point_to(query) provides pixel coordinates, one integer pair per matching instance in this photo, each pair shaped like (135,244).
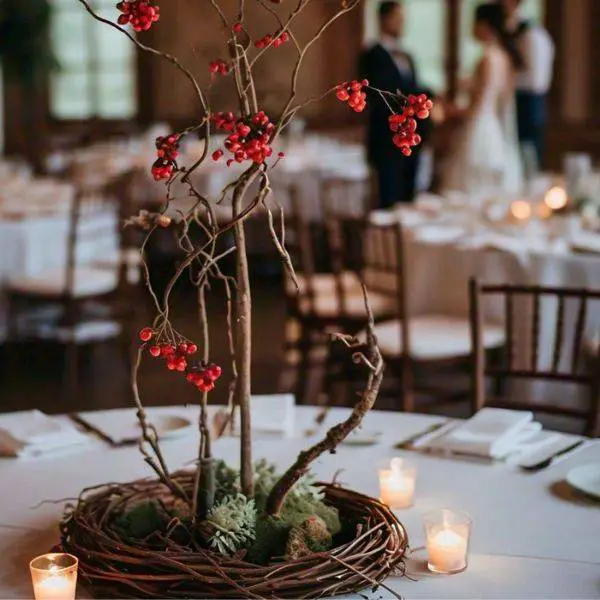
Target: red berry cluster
(218,67)
(167,152)
(204,376)
(404,125)
(176,358)
(248,138)
(277,40)
(140,13)
(353,94)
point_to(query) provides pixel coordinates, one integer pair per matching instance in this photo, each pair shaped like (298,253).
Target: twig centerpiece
(217,532)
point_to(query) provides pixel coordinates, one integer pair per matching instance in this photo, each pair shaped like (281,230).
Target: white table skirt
(529,541)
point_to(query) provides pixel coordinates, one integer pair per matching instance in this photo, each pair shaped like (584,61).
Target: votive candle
(397,483)
(54,576)
(447,533)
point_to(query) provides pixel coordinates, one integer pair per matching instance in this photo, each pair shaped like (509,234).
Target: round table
(532,537)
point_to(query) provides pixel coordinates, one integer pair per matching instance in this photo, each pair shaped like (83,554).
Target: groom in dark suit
(389,68)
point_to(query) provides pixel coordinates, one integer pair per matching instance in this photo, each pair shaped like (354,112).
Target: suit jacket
(379,67)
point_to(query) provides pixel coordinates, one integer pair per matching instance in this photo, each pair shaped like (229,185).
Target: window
(96,78)
(424,37)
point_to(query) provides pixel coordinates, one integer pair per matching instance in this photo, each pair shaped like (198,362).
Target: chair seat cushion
(88,281)
(326,302)
(434,337)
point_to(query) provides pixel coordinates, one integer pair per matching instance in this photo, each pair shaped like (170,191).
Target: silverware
(548,461)
(409,443)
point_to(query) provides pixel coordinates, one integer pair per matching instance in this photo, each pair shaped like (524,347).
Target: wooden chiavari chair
(90,298)
(413,341)
(568,360)
(329,300)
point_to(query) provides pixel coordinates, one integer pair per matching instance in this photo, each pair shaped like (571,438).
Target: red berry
(155,351)
(182,348)
(238,28)
(146,334)
(192,349)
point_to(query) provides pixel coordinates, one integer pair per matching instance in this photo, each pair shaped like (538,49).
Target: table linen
(532,537)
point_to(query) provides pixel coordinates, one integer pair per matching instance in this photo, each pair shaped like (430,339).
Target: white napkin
(31,433)
(491,433)
(544,445)
(273,413)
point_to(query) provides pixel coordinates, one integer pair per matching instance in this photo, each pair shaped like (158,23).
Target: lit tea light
(447,535)
(397,484)
(556,198)
(54,576)
(520,210)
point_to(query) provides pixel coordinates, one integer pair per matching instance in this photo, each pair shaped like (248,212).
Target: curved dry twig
(338,433)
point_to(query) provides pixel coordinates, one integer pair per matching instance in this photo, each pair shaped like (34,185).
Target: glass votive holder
(397,479)
(54,576)
(447,533)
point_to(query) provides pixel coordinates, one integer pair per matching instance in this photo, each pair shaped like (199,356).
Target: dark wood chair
(89,299)
(329,296)
(569,362)
(414,343)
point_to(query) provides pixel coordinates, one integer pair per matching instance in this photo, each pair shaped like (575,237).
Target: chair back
(95,227)
(563,359)
(319,256)
(385,269)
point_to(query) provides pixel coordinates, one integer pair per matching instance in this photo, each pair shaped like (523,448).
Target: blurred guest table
(447,242)
(34,227)
(533,537)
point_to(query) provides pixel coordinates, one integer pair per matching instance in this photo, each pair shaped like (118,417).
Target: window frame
(110,125)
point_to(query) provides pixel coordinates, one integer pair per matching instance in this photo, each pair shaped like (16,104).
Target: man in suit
(533,81)
(389,68)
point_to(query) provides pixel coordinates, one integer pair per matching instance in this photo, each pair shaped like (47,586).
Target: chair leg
(303,370)
(71,371)
(407,386)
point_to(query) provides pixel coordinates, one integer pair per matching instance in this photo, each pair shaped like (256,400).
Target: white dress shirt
(537,49)
(394,48)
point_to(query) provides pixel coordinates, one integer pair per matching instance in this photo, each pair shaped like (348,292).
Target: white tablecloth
(532,538)
(33,244)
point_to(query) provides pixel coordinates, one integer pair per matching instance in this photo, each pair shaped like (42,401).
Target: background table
(532,537)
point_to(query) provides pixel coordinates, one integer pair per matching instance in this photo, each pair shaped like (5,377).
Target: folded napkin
(543,446)
(273,413)
(491,433)
(31,433)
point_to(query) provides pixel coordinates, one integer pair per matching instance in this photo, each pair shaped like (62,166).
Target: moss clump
(141,520)
(310,536)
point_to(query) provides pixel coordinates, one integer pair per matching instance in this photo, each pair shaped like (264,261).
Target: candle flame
(556,198)
(520,209)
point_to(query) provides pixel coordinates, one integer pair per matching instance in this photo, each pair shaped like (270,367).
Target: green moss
(141,520)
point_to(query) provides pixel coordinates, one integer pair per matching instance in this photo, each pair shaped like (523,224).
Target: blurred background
(79,102)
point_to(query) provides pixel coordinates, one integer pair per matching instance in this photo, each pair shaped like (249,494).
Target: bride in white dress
(484,158)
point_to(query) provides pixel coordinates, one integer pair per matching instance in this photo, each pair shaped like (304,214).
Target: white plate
(586,479)
(168,426)
(362,437)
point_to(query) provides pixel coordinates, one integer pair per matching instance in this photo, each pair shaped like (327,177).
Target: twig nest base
(372,548)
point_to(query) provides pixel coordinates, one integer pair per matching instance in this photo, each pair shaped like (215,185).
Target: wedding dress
(485,160)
